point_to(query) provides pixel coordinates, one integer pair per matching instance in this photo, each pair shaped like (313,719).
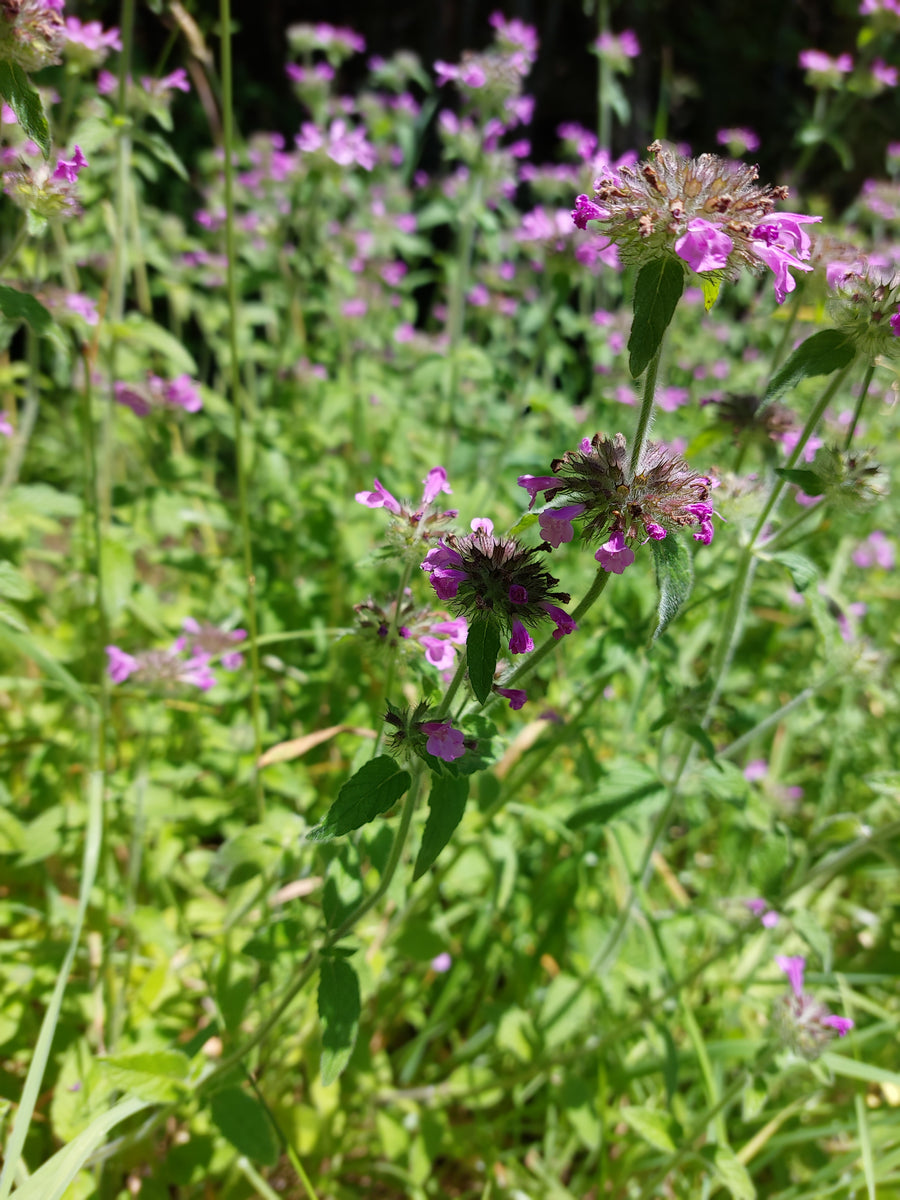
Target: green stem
(604,119)
(457,310)
(808,430)
(455,682)
(17,244)
(312,963)
(27,420)
(785,340)
(236,395)
(857,412)
(645,416)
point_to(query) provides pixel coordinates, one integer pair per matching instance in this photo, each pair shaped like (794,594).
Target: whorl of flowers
(31,34)
(413,525)
(418,732)
(47,192)
(160,668)
(710,212)
(483,574)
(865,304)
(412,625)
(746,415)
(803,1023)
(851,479)
(595,484)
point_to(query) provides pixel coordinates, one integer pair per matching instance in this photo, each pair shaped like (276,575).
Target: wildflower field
(448,624)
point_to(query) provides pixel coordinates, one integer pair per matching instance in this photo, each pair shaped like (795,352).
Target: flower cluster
(803,1024)
(708,211)
(88,43)
(156,393)
(46,192)
(662,495)
(161,668)
(213,642)
(483,574)
(413,525)
(32,34)
(492,80)
(413,625)
(865,304)
(420,733)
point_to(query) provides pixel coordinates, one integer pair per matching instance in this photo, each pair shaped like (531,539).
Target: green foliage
(657,290)
(375,788)
(23,99)
(482,651)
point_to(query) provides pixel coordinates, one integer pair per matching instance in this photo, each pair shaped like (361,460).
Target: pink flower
(780,242)
(537,483)
(517,697)
(704,247)
(379,498)
(444,741)
(556,524)
(876,550)
(435,483)
(69,170)
(614,555)
(895,323)
(587,210)
(883,74)
(520,642)
(564,623)
(441,963)
(6,429)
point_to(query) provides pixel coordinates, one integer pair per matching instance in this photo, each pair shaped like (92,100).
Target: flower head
(708,211)
(865,304)
(210,640)
(619,506)
(32,34)
(156,393)
(804,1024)
(413,524)
(160,668)
(481,573)
(420,732)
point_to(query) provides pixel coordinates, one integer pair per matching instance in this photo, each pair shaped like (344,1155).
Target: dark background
(724,63)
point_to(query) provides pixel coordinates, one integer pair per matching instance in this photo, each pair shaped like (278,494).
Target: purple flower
(443,740)
(615,555)
(875,551)
(520,642)
(6,429)
(757,769)
(121,665)
(379,498)
(440,653)
(517,697)
(704,247)
(435,482)
(182,393)
(804,1024)
(68,170)
(441,963)
(738,141)
(537,483)
(586,210)
(556,523)
(767,916)
(211,641)
(564,623)
(895,324)
(517,594)
(160,667)
(780,242)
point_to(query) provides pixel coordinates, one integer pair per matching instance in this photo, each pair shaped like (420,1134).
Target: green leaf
(163,152)
(807,480)
(674,578)
(803,570)
(156,1077)
(482,650)
(623,787)
(16,89)
(656,293)
(339,1009)
(372,790)
(54,1177)
(712,285)
(820,354)
(733,1174)
(446,805)
(25,644)
(243,1121)
(650,1124)
(698,734)
(19,306)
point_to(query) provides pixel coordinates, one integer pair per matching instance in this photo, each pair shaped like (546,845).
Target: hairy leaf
(674,578)
(339,1008)
(656,293)
(446,805)
(372,790)
(824,352)
(482,650)
(22,98)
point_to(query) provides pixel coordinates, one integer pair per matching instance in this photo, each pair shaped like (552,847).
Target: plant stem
(857,412)
(645,416)
(237,398)
(312,963)
(27,420)
(17,244)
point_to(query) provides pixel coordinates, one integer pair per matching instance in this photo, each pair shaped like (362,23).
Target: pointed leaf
(712,285)
(808,481)
(482,650)
(446,805)
(20,306)
(819,355)
(650,1124)
(158,1077)
(803,570)
(656,293)
(372,790)
(733,1174)
(339,1009)
(674,578)
(242,1120)
(16,89)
